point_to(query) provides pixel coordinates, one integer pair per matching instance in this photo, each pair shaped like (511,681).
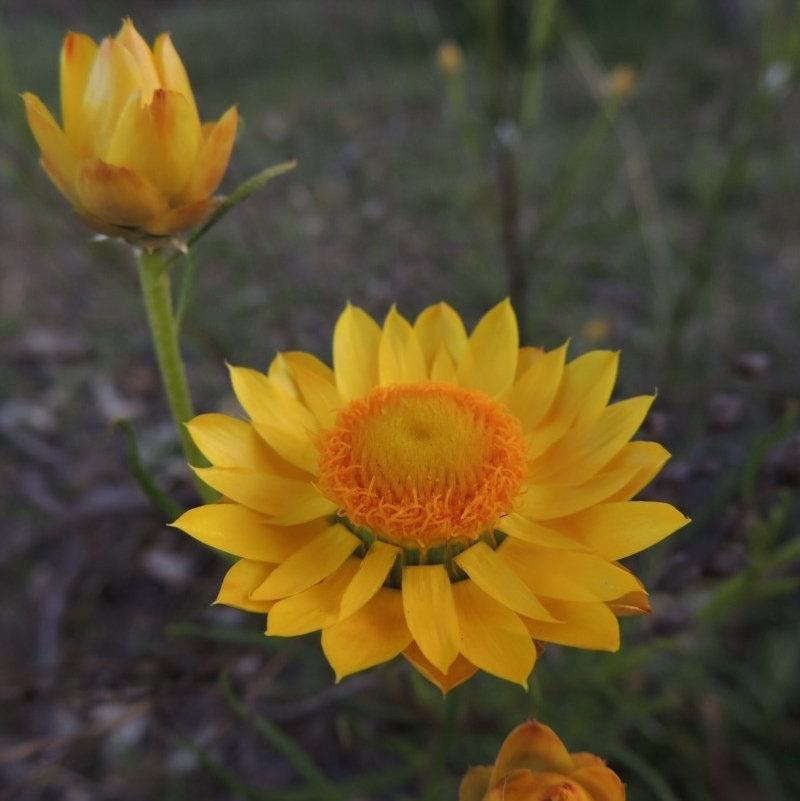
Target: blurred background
(626,172)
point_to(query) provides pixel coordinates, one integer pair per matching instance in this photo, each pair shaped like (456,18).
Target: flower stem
(157,294)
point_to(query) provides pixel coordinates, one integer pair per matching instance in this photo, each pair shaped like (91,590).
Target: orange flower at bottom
(534,765)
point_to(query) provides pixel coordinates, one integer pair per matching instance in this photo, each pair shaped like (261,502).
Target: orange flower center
(423,464)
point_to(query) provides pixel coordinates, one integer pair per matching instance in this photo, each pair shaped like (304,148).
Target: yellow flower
(534,765)
(452,498)
(132,156)
(450,58)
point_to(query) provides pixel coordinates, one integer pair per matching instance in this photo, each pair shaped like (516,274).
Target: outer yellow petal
(229,442)
(515,525)
(171,72)
(431,613)
(497,579)
(242,532)
(646,458)
(585,389)
(490,361)
(443,368)
(240,581)
(77,56)
(117,195)
(132,41)
(531,746)
(174,221)
(113,79)
(58,157)
(474,784)
(534,392)
(567,576)
(315,561)
(158,140)
(314,608)
(372,572)
(456,674)
(439,327)
(400,359)
(356,340)
(315,389)
(600,782)
(616,530)
(492,637)
(273,495)
(591,445)
(582,625)
(549,501)
(212,158)
(376,633)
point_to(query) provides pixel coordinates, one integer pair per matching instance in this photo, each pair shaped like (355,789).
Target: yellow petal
(284,422)
(531,746)
(443,368)
(474,784)
(645,458)
(496,579)
(229,442)
(600,782)
(490,361)
(400,359)
(567,576)
(549,501)
(114,77)
(592,444)
(582,625)
(456,674)
(242,532)
(77,57)
(315,561)
(515,525)
(317,392)
(314,608)
(240,581)
(430,613)
(356,340)
(376,633)
(171,72)
(117,195)
(631,604)
(58,157)
(158,140)
(212,158)
(585,388)
(492,637)
(133,42)
(534,392)
(372,572)
(182,218)
(271,494)
(617,530)
(439,327)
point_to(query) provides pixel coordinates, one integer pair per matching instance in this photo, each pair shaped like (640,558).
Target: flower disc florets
(423,464)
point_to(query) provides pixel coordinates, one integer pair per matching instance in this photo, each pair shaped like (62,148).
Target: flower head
(534,765)
(131,154)
(456,499)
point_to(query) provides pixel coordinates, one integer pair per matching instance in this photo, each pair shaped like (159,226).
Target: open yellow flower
(534,765)
(452,498)
(132,156)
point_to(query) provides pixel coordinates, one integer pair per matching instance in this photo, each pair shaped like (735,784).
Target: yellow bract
(534,765)
(446,496)
(131,154)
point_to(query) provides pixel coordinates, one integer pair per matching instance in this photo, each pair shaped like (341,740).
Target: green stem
(158,303)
